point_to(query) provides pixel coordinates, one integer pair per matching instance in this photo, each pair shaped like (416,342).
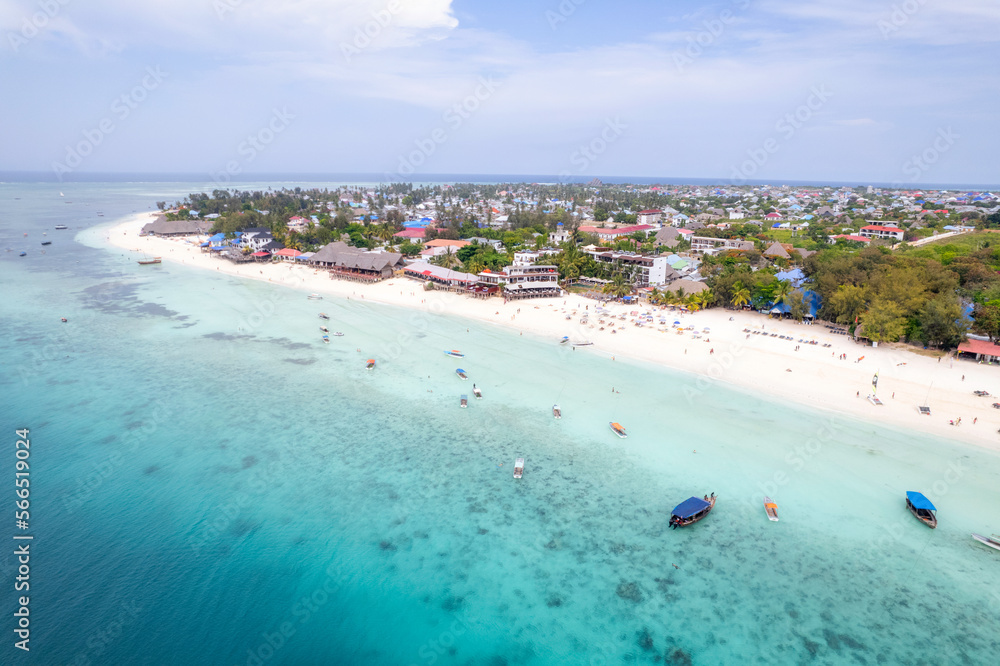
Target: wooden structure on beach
(350,263)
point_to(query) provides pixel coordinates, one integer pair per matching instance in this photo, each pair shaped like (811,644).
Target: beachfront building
(880,231)
(520,282)
(161,226)
(528,257)
(426,272)
(440,246)
(710,245)
(980,350)
(651,217)
(351,263)
(640,270)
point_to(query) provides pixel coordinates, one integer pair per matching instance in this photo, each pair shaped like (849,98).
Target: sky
(904,92)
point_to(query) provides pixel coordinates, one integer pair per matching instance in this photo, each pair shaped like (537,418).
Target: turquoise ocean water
(211,485)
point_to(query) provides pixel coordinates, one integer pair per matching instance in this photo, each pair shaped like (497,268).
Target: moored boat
(476,392)
(324,329)
(691,510)
(326,339)
(987,541)
(146,262)
(455,353)
(23,254)
(922,508)
(518,468)
(370,365)
(461,374)
(618,429)
(338,334)
(464,401)
(556,411)
(46,242)
(564,340)
(61,226)
(771,509)
(323,315)
(314,297)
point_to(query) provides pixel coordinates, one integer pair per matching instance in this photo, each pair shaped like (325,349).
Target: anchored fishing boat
(61,226)
(922,508)
(323,315)
(314,297)
(476,392)
(518,468)
(691,510)
(556,411)
(146,262)
(324,329)
(326,339)
(338,334)
(461,374)
(987,541)
(455,353)
(771,509)
(370,365)
(465,401)
(618,429)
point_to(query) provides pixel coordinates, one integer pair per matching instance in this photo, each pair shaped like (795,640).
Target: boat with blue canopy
(922,508)
(461,374)
(692,510)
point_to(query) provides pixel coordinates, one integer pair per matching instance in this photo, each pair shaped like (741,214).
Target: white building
(644,271)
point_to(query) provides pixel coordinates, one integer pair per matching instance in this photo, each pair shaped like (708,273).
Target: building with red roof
(880,231)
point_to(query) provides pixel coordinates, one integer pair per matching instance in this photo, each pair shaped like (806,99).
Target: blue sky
(843,90)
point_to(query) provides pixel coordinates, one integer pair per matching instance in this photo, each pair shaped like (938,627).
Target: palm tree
(618,287)
(782,291)
(741,296)
(447,260)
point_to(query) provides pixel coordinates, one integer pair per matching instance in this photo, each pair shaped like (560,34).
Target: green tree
(986,320)
(618,287)
(884,322)
(942,323)
(847,303)
(741,296)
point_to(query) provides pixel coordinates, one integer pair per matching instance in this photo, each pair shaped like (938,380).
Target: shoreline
(812,375)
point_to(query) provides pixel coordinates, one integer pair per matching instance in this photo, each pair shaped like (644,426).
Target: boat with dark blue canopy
(691,510)
(922,508)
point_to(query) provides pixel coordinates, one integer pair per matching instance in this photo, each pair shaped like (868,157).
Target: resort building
(528,257)
(649,216)
(426,272)
(521,281)
(161,226)
(709,245)
(642,271)
(348,262)
(611,235)
(560,235)
(440,246)
(879,231)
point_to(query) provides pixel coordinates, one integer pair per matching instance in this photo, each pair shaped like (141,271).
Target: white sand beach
(810,374)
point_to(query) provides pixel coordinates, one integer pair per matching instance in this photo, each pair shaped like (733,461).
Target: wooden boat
(987,541)
(324,329)
(556,411)
(461,374)
(23,254)
(691,510)
(63,319)
(476,392)
(370,365)
(61,226)
(46,242)
(338,334)
(323,315)
(771,509)
(465,401)
(618,429)
(314,297)
(922,508)
(146,262)
(518,468)
(565,339)
(326,339)
(583,344)
(455,353)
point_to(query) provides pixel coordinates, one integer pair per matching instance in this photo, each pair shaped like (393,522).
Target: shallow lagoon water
(225,488)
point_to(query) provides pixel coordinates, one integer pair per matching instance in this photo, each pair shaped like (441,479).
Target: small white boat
(324,329)
(771,508)
(518,468)
(455,353)
(618,429)
(564,340)
(326,339)
(461,374)
(476,392)
(314,297)
(61,226)
(582,344)
(465,401)
(556,411)
(987,541)
(338,334)
(874,400)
